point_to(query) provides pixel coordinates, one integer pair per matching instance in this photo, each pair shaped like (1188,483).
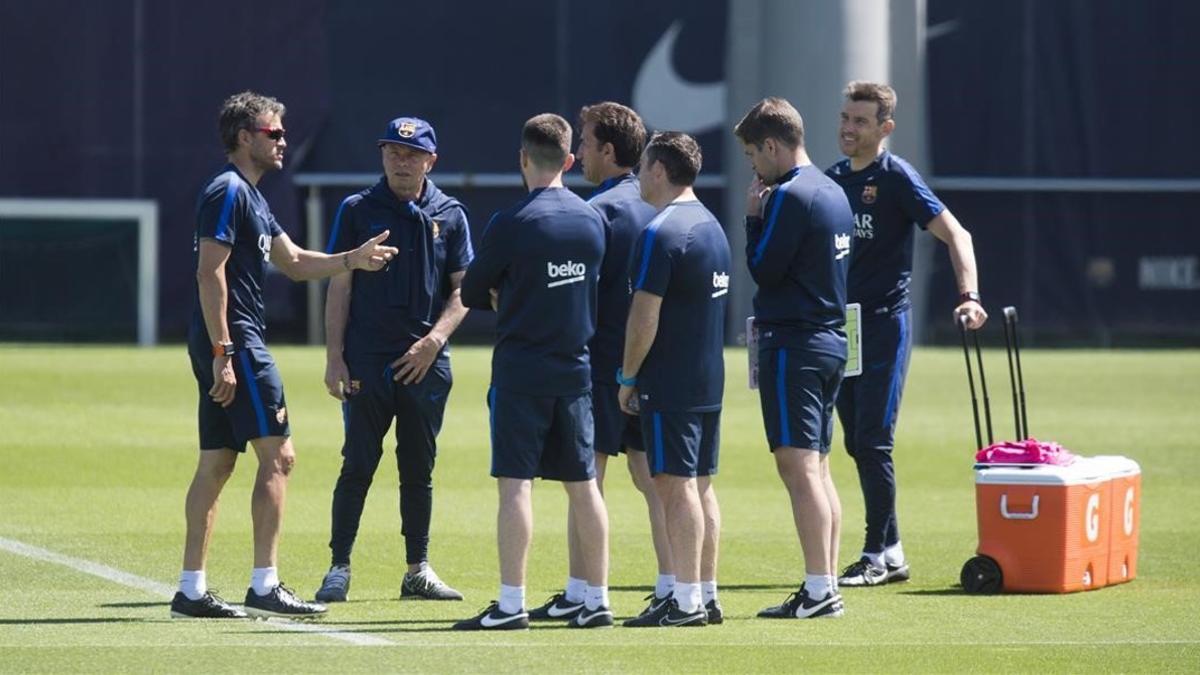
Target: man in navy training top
(673,371)
(611,138)
(888,197)
(241,393)
(385,348)
(538,267)
(797,250)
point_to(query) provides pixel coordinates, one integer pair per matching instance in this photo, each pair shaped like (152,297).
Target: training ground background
(97,445)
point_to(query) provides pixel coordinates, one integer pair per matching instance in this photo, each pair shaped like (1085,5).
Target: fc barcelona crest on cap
(868,194)
(411,131)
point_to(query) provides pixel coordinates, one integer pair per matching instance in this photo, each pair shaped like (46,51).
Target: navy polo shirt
(683,257)
(232,211)
(543,255)
(887,197)
(798,253)
(393,308)
(619,199)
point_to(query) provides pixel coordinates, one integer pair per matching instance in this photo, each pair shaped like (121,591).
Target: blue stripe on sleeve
(231,190)
(255,398)
(337,226)
(785,433)
(651,231)
(770,226)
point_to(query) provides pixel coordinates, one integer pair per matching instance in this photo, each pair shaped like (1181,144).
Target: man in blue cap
(386,355)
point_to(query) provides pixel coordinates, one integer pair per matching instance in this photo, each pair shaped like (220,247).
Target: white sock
(193,584)
(817,586)
(894,555)
(687,596)
(264,579)
(664,585)
(875,559)
(576,589)
(597,596)
(708,591)
(512,599)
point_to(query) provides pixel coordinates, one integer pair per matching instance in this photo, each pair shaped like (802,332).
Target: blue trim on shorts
(894,390)
(255,398)
(491,395)
(785,432)
(659,460)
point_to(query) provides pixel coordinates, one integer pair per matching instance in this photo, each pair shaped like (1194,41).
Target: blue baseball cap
(411,131)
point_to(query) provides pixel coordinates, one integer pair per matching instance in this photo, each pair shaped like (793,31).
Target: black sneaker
(209,606)
(897,572)
(656,603)
(863,573)
(336,585)
(427,586)
(715,614)
(601,617)
(800,606)
(557,607)
(669,616)
(281,602)
(494,619)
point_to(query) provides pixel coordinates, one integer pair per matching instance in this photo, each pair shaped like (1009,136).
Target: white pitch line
(163,590)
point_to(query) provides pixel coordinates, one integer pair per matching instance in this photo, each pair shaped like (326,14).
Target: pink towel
(1028,451)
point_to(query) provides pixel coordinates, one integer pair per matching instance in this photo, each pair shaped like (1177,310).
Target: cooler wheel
(981,575)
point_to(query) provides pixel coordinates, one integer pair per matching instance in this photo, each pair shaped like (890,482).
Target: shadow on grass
(134,605)
(953,590)
(34,622)
(723,587)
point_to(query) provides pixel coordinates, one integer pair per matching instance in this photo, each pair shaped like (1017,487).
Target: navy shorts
(869,405)
(797,389)
(682,443)
(542,436)
(258,407)
(615,430)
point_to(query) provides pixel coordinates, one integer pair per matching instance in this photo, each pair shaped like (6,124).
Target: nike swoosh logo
(667,101)
(666,620)
(558,613)
(488,622)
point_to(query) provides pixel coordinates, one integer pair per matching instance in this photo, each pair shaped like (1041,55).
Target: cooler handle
(1018,516)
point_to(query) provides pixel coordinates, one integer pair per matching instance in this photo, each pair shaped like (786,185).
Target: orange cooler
(1060,529)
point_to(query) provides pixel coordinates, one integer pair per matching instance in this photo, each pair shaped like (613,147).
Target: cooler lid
(1083,470)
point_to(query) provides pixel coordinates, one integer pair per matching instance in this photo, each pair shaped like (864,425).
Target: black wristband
(970,296)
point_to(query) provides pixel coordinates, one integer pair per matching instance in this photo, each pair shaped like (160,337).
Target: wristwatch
(223,349)
(970,296)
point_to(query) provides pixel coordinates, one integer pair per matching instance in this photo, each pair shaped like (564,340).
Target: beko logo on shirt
(841,246)
(720,284)
(565,273)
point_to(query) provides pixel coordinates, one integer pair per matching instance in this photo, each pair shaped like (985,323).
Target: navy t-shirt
(543,255)
(888,197)
(798,255)
(393,308)
(232,211)
(619,200)
(683,257)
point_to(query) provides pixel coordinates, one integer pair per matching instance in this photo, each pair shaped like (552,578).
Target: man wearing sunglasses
(386,348)
(241,393)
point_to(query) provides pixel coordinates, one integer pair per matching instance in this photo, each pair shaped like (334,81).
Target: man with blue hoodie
(386,355)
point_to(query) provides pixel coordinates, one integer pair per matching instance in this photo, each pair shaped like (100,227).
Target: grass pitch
(97,446)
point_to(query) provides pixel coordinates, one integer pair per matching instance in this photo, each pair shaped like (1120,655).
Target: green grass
(97,446)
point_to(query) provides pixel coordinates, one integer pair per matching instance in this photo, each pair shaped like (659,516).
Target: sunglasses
(273,134)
